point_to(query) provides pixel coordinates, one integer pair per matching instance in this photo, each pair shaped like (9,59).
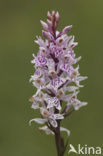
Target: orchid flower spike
(54,75)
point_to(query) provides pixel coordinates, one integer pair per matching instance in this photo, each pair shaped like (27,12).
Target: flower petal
(35,105)
(65,130)
(58,116)
(78,105)
(38,120)
(72,88)
(81,78)
(53,122)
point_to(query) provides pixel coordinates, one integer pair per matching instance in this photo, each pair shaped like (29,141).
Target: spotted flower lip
(54,101)
(48,116)
(56,76)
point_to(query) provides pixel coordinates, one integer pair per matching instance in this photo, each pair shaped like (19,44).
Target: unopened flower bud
(66,29)
(47,35)
(49,15)
(53,13)
(49,23)
(44,25)
(57,16)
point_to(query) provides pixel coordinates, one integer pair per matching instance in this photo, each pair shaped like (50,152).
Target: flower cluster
(55,77)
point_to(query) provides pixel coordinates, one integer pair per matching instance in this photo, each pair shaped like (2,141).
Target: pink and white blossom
(56,77)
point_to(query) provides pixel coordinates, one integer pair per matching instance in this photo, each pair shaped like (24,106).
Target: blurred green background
(19,24)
